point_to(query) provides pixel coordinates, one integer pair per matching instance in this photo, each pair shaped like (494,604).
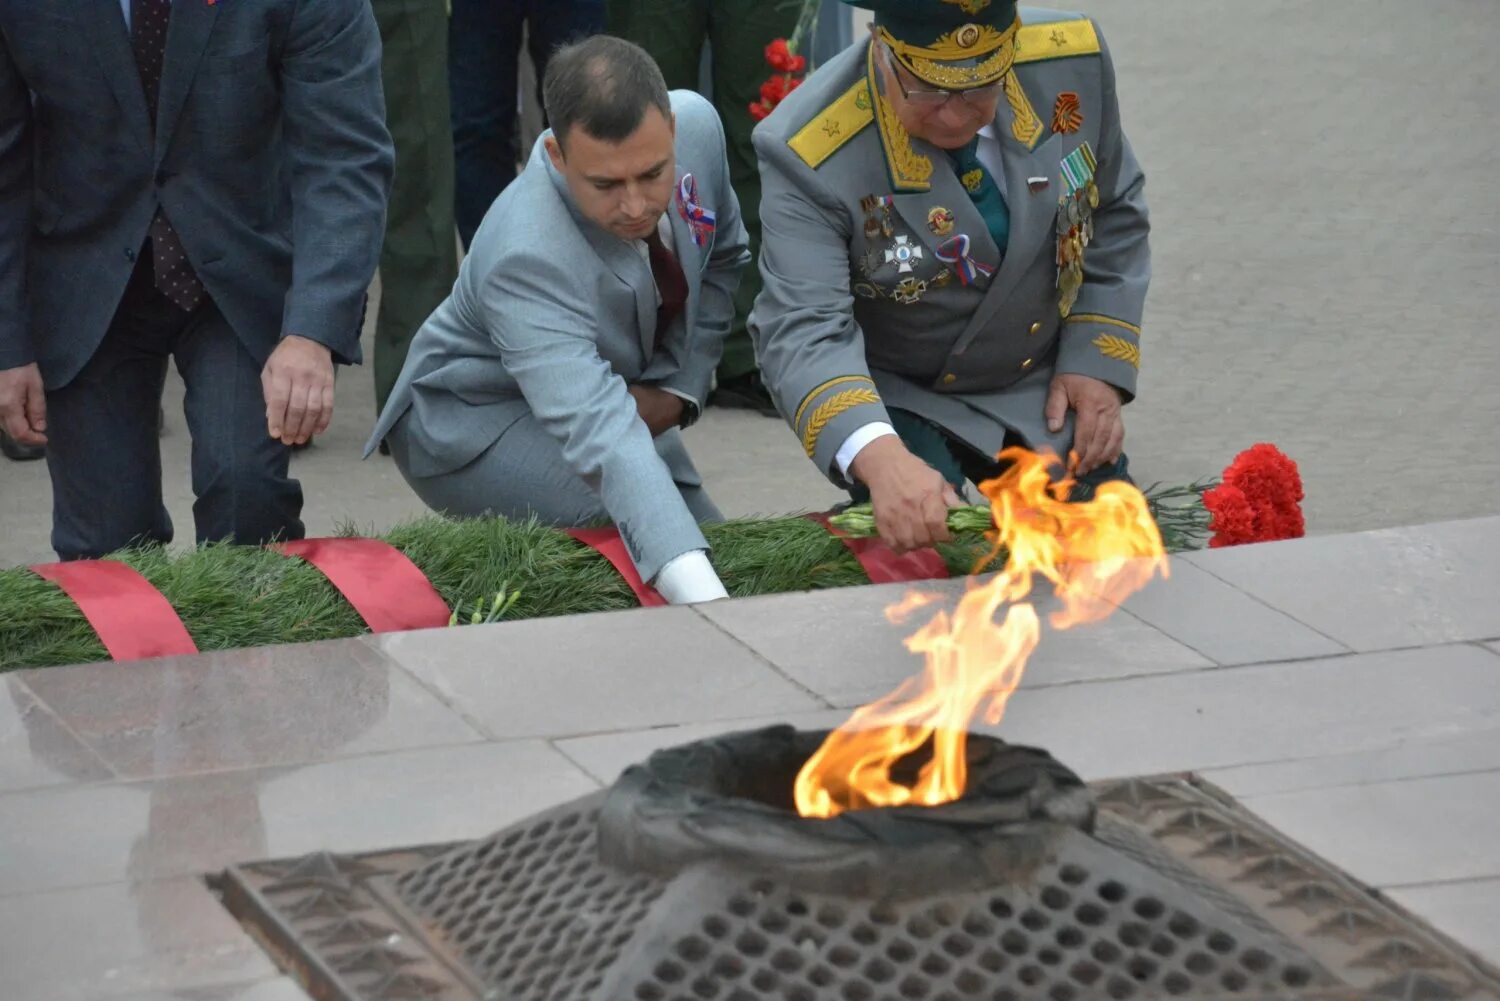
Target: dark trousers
(958,461)
(737,31)
(484,47)
(419,259)
(102,448)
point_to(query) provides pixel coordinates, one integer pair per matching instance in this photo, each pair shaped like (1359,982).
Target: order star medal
(904,254)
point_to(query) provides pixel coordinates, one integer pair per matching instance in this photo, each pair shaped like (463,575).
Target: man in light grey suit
(192,180)
(586,324)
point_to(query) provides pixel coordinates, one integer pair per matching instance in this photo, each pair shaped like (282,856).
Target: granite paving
(125,783)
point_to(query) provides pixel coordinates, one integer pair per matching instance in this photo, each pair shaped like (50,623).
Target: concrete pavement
(1327,236)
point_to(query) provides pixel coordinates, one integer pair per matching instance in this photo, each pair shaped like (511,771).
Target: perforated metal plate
(1178,892)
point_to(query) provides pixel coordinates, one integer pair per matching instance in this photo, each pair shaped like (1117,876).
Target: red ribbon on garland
(881,563)
(387,590)
(130,616)
(607,543)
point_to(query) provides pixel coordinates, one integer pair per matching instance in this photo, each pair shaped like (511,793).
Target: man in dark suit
(203,180)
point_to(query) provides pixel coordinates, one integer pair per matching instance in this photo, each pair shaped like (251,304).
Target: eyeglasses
(937,98)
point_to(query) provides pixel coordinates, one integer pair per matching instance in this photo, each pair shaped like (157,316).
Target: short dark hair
(604,86)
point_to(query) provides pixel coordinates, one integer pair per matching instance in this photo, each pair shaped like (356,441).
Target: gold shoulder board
(833,126)
(1056,40)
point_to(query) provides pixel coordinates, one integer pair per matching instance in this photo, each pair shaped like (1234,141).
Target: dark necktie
(148,36)
(983,191)
(671,284)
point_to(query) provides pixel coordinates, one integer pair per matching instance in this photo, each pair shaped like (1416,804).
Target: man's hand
(660,409)
(23,407)
(909,497)
(298,386)
(1099,433)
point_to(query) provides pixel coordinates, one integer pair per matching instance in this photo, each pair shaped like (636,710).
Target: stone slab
(151,938)
(1417,758)
(1226,625)
(36,749)
(839,644)
(246,708)
(1469,911)
(1377,590)
(1226,717)
(58,838)
(1393,833)
(608,671)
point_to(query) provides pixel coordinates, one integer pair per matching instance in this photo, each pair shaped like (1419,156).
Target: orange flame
(1094,553)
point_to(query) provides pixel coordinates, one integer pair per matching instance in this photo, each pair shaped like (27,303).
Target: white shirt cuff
(857,440)
(689,579)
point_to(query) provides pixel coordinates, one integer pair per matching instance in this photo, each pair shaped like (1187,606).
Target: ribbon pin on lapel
(956,253)
(701,221)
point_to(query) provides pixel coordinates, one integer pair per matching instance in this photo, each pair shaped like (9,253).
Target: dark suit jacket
(270,157)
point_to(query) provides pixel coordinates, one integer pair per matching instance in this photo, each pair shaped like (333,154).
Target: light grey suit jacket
(854,318)
(269,155)
(553,316)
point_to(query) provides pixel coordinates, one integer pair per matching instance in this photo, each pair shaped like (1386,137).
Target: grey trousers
(521,475)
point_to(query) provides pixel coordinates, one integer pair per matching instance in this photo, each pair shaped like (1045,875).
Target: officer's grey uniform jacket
(553,316)
(270,156)
(852,321)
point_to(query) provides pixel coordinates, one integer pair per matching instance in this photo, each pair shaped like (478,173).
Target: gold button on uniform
(1036,328)
(950,378)
(1026,364)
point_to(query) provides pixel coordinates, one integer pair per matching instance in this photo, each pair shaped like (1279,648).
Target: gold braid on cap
(929,62)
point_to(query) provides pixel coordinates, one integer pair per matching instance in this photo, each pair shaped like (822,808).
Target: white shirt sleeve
(689,579)
(857,440)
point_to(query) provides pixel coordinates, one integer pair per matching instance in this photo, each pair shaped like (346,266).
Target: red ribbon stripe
(385,588)
(882,564)
(130,616)
(607,542)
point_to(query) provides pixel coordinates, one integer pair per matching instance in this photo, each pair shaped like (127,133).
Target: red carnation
(781,57)
(1260,499)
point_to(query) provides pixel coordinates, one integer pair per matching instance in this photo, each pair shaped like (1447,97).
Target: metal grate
(1174,891)
(533,909)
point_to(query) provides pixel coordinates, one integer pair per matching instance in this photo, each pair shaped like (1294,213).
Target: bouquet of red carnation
(782,57)
(1259,500)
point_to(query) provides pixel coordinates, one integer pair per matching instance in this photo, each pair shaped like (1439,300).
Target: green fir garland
(241,596)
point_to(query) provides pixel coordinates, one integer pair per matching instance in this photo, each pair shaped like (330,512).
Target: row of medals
(898,251)
(1075,229)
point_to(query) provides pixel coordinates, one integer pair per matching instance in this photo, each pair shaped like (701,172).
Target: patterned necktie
(148,36)
(983,191)
(671,283)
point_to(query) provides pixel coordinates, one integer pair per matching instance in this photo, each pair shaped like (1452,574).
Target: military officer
(955,255)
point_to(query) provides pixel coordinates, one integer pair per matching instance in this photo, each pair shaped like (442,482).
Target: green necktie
(983,191)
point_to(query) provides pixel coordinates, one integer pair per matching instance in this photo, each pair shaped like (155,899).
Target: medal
(904,254)
(909,291)
(940,221)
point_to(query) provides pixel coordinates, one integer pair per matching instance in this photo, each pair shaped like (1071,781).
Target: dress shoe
(18,452)
(744,392)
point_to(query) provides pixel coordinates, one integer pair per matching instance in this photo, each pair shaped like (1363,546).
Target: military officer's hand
(1099,432)
(660,409)
(910,498)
